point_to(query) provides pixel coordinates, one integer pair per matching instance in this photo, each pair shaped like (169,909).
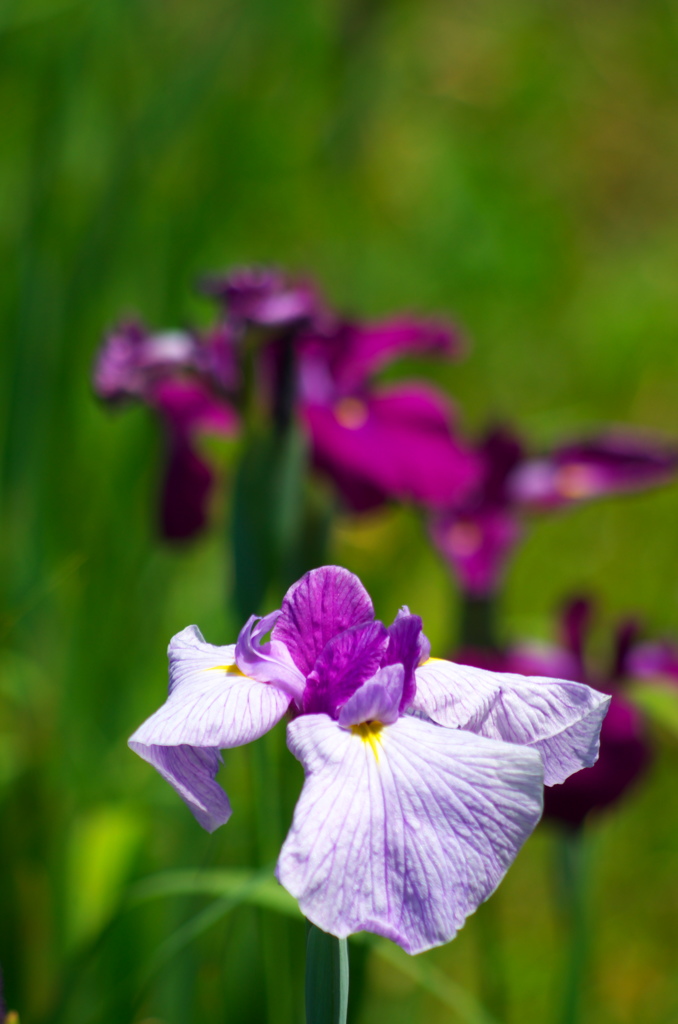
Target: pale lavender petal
(191,771)
(346,662)
(377,700)
(316,608)
(561,718)
(268,662)
(406,830)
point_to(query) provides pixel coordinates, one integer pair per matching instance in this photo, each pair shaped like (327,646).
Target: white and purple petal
(211,705)
(377,700)
(268,662)
(560,718)
(404,831)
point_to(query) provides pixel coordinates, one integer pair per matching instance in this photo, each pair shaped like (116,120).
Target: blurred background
(509,163)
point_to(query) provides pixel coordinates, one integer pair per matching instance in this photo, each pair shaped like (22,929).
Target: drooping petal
(407,647)
(404,831)
(345,663)
(610,464)
(186,489)
(377,700)
(268,662)
(477,545)
(397,441)
(211,706)
(316,608)
(559,717)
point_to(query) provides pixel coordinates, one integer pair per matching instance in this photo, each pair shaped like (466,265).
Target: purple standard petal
(404,829)
(211,706)
(323,603)
(398,441)
(345,663)
(268,662)
(605,465)
(477,545)
(560,718)
(261,296)
(407,647)
(377,701)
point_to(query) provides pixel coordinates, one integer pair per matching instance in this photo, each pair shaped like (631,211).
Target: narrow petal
(407,647)
(268,662)
(561,718)
(316,608)
(186,490)
(346,662)
(377,700)
(404,832)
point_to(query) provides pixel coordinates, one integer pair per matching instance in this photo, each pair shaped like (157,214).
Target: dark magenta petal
(477,546)
(261,295)
(323,603)
(185,493)
(500,452)
(624,754)
(365,349)
(407,647)
(190,405)
(609,464)
(657,661)
(398,441)
(347,661)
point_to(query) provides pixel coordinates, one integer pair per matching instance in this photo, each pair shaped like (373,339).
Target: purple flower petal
(345,663)
(211,706)
(605,465)
(377,701)
(397,441)
(316,608)
(407,647)
(560,718)
(186,490)
(477,545)
(405,830)
(268,662)
(658,660)
(261,296)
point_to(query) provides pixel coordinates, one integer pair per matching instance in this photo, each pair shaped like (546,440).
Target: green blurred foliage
(509,161)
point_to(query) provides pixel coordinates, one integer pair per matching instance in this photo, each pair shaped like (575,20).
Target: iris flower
(625,752)
(422,778)
(477,533)
(187,383)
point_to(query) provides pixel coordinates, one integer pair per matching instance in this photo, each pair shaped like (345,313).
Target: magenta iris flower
(187,383)
(478,534)
(422,778)
(382,442)
(624,749)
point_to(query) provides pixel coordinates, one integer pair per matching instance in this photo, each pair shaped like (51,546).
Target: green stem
(479,623)
(326,978)
(572,866)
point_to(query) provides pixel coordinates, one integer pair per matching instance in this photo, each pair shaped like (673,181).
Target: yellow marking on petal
(369,733)
(428,661)
(232,670)
(576,480)
(351,413)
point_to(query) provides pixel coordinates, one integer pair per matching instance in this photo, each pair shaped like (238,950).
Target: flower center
(369,733)
(464,538)
(351,413)
(575,481)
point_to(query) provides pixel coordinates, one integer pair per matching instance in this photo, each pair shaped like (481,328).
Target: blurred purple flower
(186,382)
(477,535)
(263,296)
(624,749)
(403,827)
(381,443)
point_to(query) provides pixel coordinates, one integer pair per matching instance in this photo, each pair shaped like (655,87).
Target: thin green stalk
(326,978)
(572,872)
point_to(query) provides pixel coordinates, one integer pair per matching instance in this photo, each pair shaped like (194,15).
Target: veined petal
(559,717)
(323,603)
(191,771)
(407,647)
(211,705)
(406,830)
(267,662)
(377,700)
(346,662)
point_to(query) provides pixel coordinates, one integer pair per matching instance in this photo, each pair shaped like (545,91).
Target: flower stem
(326,978)
(572,868)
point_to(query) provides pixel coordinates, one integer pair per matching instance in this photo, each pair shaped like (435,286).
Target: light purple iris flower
(422,778)
(187,383)
(477,535)
(376,442)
